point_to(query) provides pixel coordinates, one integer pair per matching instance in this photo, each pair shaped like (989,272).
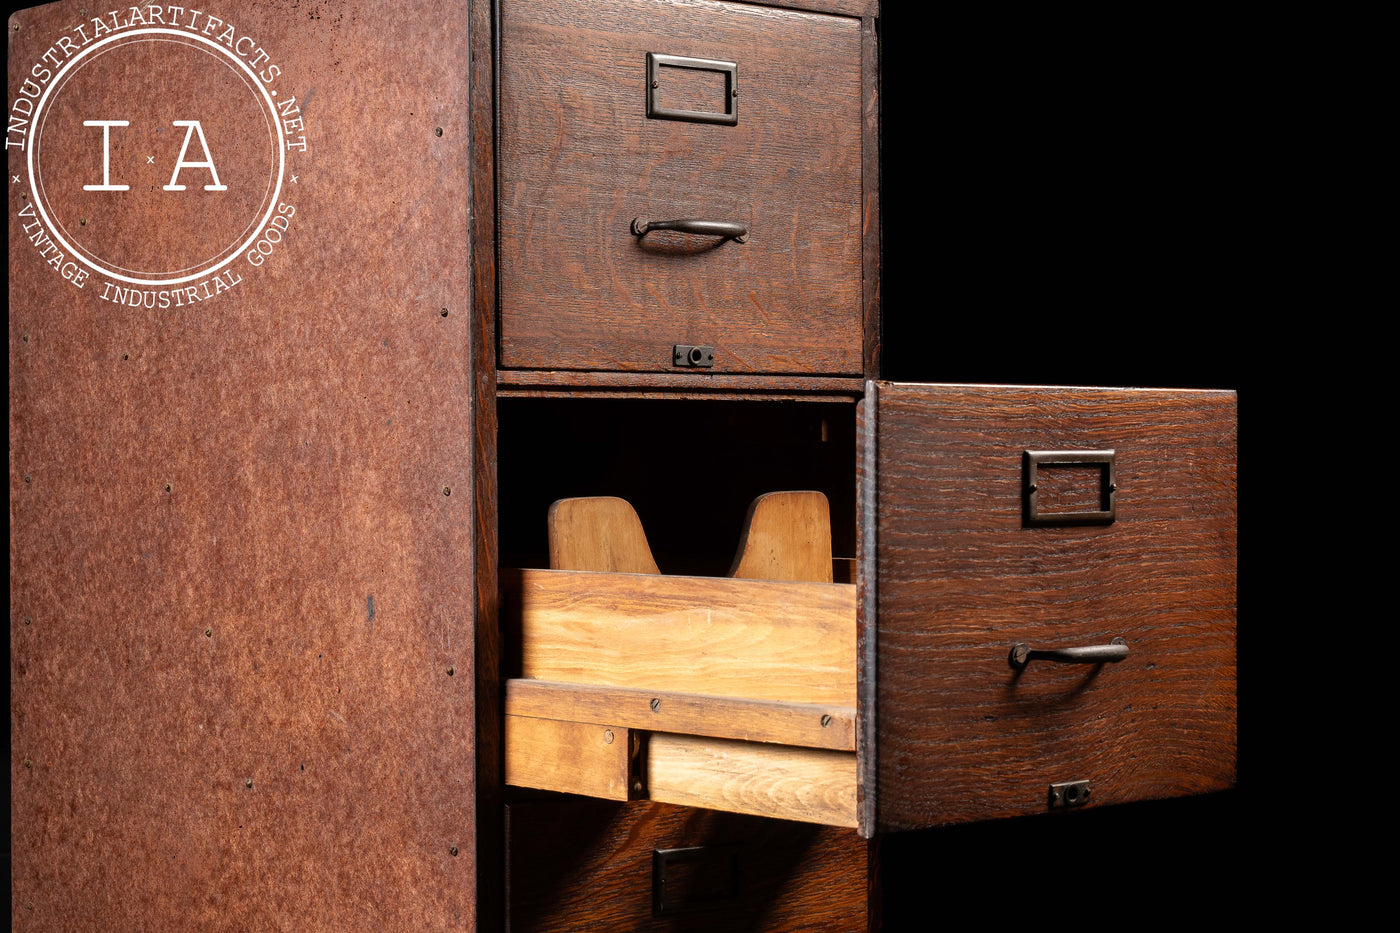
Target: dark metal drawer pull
(1115,651)
(722,228)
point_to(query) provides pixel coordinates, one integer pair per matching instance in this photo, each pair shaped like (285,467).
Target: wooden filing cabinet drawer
(576,864)
(580,158)
(1064,520)
(962,572)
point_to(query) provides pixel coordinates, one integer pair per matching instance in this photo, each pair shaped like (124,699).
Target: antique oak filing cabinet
(279,575)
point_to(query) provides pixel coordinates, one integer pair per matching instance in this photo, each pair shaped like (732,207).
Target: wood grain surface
(574,757)
(579,160)
(786,536)
(808,724)
(598,533)
(241,647)
(958,734)
(702,382)
(586,866)
(755,639)
(807,784)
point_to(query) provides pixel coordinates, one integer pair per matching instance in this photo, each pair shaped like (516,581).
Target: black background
(1069,197)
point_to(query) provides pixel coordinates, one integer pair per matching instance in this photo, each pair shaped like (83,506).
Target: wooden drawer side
(733,695)
(759,640)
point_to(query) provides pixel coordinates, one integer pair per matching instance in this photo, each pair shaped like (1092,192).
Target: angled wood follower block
(745,690)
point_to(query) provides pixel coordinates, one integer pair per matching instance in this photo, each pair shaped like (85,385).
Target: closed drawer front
(579,160)
(965,571)
(576,864)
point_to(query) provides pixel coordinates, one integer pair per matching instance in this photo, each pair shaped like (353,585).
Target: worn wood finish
(959,735)
(481,247)
(585,866)
(786,536)
(870,174)
(806,724)
(598,533)
(677,384)
(671,395)
(575,757)
(745,638)
(805,784)
(232,554)
(578,160)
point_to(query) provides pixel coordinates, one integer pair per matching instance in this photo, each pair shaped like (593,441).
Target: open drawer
(1088,534)
(736,695)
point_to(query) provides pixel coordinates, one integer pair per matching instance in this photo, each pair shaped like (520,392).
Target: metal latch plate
(683,355)
(1069,794)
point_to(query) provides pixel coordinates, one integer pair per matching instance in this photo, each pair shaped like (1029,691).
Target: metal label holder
(730,116)
(1035,460)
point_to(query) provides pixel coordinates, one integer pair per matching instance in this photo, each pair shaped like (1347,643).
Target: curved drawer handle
(1024,654)
(720,228)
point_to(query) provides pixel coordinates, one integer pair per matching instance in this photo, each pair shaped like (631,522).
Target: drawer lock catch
(1069,794)
(702,357)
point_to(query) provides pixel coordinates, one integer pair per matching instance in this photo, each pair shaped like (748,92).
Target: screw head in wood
(655,704)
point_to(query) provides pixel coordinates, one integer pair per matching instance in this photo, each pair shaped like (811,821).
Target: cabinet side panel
(241,540)
(964,575)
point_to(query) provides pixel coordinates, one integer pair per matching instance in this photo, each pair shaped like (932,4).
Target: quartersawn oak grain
(585,866)
(960,735)
(578,160)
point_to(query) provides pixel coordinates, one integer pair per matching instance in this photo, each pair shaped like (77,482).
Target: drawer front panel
(580,160)
(584,865)
(966,570)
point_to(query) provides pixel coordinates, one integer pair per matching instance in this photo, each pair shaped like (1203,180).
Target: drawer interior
(681,687)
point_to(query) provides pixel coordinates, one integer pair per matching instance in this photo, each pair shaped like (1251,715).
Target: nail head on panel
(437,131)
(453,850)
